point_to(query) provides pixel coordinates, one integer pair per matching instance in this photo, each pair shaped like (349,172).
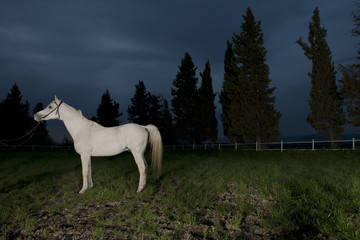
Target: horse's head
(50,112)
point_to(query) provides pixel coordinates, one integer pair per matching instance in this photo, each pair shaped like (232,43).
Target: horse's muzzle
(37,117)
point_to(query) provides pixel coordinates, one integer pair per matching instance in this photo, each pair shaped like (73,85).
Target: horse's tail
(156,148)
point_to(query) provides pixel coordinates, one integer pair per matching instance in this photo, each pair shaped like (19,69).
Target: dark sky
(78,49)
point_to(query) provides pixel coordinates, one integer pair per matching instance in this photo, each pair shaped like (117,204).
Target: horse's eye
(50,107)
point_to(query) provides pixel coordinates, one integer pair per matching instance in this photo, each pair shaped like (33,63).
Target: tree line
(247,100)
(15,121)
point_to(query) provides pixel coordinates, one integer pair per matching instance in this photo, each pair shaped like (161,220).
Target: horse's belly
(107,146)
(99,151)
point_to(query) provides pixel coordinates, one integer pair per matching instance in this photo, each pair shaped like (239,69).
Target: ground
(200,195)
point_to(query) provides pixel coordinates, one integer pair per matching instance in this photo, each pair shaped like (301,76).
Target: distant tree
(138,111)
(228,94)
(154,111)
(108,111)
(67,141)
(249,105)
(15,120)
(185,101)
(41,135)
(327,116)
(166,126)
(207,118)
(350,91)
(147,108)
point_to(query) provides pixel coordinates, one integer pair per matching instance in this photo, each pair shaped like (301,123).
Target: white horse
(92,139)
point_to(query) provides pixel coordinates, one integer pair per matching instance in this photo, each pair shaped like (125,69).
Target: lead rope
(29,133)
(32,131)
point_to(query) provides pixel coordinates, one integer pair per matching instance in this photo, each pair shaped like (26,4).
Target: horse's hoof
(82,191)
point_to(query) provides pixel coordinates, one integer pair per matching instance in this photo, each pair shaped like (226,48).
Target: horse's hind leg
(140,162)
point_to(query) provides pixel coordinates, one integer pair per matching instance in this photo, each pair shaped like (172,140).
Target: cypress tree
(327,116)
(208,122)
(252,111)
(108,111)
(185,101)
(138,111)
(228,95)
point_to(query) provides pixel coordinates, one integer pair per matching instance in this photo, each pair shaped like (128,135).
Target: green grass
(218,194)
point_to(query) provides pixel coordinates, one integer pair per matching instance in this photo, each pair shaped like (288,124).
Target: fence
(271,146)
(275,146)
(34,147)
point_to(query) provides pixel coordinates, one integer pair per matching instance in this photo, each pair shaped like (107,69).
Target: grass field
(200,195)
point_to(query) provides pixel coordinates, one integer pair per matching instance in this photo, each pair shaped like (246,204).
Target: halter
(55,109)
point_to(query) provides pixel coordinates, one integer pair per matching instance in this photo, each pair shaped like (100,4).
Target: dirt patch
(111,221)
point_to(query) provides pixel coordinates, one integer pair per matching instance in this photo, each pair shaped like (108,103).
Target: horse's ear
(56,99)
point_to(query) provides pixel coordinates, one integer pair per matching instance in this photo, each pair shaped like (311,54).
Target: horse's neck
(73,120)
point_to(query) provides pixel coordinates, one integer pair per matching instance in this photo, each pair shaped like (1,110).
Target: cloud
(78,49)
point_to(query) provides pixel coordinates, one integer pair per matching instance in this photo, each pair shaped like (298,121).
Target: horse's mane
(79,113)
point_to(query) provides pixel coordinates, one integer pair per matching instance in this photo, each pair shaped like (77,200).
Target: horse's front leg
(90,182)
(86,172)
